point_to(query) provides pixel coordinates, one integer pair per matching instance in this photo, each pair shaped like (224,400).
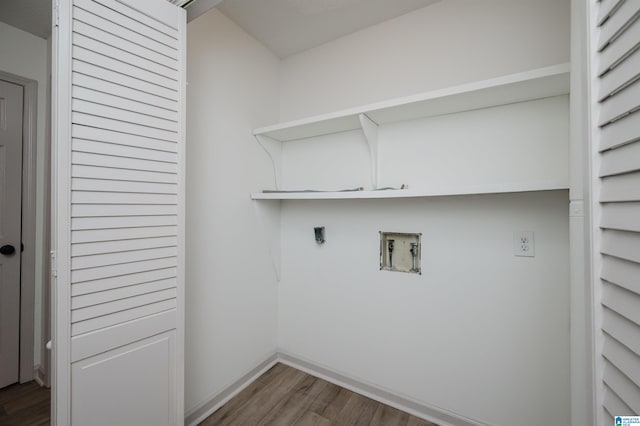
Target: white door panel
(131,385)
(11,102)
(119,213)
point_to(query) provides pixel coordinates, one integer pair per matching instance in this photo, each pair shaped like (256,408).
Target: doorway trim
(28,233)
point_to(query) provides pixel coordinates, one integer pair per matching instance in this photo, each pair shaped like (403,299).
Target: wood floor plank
(233,408)
(389,416)
(227,411)
(295,404)
(331,401)
(415,421)
(312,419)
(257,407)
(25,404)
(358,411)
(285,396)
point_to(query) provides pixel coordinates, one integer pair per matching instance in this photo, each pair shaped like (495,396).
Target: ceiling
(286,27)
(32,16)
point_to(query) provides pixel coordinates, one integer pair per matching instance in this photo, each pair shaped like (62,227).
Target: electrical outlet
(524,244)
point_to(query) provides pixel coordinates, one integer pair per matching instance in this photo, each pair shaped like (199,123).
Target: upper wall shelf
(526,86)
(412,193)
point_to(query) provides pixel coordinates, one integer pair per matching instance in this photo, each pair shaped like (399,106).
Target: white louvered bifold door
(119,200)
(616,114)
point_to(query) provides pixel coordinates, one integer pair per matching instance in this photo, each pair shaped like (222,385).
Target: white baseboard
(38,375)
(208,407)
(436,415)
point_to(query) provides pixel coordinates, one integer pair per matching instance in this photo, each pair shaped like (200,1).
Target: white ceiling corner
(287,27)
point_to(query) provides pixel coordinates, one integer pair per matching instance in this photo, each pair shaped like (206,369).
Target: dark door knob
(7,250)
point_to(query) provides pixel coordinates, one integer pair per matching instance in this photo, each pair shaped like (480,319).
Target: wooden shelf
(537,84)
(410,193)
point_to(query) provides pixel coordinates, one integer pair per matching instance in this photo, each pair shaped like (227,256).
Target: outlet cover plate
(524,244)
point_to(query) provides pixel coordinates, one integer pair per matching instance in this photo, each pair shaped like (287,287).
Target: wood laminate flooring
(25,404)
(285,396)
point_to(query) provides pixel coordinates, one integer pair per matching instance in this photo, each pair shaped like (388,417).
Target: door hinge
(54,266)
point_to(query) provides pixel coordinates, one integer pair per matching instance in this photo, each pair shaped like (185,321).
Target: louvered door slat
(102,43)
(120,258)
(100,160)
(119,77)
(620,104)
(621,76)
(105,284)
(122,139)
(623,387)
(622,330)
(621,160)
(104,172)
(80,315)
(102,247)
(623,46)
(94,197)
(80,184)
(81,118)
(120,150)
(96,108)
(621,216)
(102,223)
(115,210)
(618,22)
(122,234)
(108,99)
(123,32)
(123,92)
(100,297)
(621,301)
(622,358)
(122,269)
(625,245)
(90,55)
(167,26)
(606,6)
(621,272)
(620,132)
(109,320)
(615,406)
(122,17)
(621,188)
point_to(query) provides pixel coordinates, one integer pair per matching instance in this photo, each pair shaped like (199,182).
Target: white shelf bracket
(370,130)
(273,148)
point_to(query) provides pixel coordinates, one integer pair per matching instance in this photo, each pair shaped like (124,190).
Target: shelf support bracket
(370,130)
(273,148)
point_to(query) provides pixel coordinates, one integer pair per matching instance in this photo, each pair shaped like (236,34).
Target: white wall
(25,55)
(448,43)
(231,287)
(481,333)
(524,143)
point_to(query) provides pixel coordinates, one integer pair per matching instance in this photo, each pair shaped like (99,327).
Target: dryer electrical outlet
(400,252)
